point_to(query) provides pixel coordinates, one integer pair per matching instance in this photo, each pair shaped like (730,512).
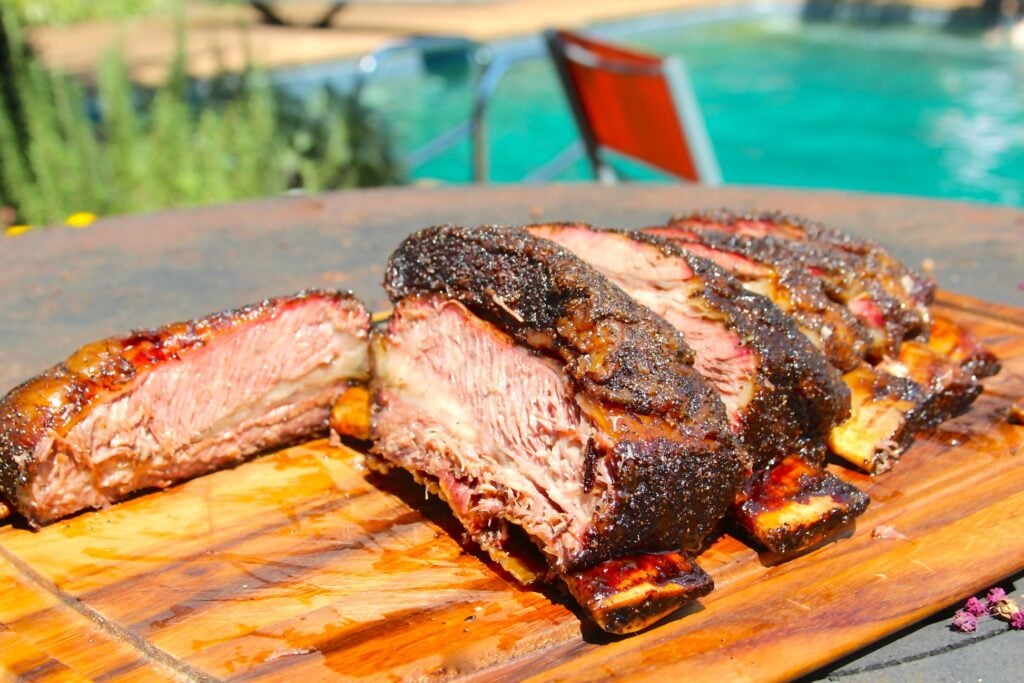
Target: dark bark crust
(848,266)
(799,228)
(817,269)
(552,301)
(799,396)
(847,340)
(676,469)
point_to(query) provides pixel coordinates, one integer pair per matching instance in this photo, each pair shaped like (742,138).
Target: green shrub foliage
(116,148)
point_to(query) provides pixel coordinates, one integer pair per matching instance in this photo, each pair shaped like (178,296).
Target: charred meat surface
(829,325)
(159,406)
(914,288)
(880,314)
(630,593)
(781,395)
(794,504)
(538,397)
(889,299)
(960,346)
(898,387)
(880,425)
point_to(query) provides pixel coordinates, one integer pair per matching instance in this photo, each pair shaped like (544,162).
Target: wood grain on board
(298,565)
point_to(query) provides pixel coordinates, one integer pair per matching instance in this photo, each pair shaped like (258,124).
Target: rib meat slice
(889,299)
(829,325)
(157,406)
(539,400)
(945,369)
(880,425)
(909,388)
(906,284)
(781,395)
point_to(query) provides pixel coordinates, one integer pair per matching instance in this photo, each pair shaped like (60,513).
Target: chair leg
(606,175)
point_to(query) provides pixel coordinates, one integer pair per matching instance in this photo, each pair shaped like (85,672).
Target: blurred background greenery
(109,146)
(33,12)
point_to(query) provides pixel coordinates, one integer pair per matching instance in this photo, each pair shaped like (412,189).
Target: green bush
(148,150)
(34,12)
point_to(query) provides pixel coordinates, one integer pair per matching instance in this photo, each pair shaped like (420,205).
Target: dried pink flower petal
(1017,621)
(964,622)
(974,606)
(1006,608)
(995,594)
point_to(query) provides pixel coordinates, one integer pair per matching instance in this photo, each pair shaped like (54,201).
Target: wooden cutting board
(297,565)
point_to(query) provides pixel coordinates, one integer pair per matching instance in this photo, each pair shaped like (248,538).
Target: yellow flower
(17,230)
(81,219)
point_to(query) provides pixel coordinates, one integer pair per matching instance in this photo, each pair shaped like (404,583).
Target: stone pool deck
(224,36)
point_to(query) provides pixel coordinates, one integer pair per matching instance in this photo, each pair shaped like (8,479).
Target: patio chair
(638,105)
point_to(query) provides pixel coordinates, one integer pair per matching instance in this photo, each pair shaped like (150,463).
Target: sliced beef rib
(538,399)
(781,395)
(157,406)
(890,299)
(864,309)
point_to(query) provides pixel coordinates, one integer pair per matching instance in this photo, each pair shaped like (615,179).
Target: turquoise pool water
(908,110)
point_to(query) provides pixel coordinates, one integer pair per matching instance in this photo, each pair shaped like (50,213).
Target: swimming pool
(909,110)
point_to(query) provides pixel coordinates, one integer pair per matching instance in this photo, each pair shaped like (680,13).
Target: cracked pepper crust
(676,478)
(799,396)
(800,228)
(847,265)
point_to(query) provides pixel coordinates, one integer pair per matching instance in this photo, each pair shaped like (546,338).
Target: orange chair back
(637,104)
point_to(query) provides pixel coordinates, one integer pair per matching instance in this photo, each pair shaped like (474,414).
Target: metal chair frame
(493,69)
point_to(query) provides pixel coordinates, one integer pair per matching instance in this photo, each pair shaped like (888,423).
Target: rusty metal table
(62,287)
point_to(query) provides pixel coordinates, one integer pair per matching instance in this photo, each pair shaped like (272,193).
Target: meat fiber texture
(158,406)
(781,394)
(536,395)
(906,369)
(889,299)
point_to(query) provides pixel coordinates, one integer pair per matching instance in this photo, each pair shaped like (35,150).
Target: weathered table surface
(60,288)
